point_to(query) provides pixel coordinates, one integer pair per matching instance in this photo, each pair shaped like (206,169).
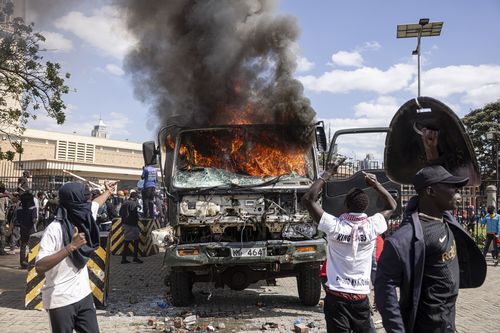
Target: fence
(469,208)
(44,175)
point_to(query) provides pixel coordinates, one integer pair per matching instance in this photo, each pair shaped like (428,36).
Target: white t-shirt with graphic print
(346,272)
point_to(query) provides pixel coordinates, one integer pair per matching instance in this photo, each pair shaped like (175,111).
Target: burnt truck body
(234,205)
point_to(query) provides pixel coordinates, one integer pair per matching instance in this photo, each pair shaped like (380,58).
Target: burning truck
(234,205)
(238,136)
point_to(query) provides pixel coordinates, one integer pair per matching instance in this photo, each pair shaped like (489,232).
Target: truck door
(364,149)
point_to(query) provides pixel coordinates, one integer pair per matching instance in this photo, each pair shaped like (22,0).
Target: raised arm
(430,141)
(310,198)
(371,180)
(109,190)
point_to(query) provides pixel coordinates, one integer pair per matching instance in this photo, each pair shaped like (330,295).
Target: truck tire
(309,285)
(181,285)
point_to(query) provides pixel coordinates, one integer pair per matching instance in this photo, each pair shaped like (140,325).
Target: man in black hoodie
(27,218)
(65,248)
(129,212)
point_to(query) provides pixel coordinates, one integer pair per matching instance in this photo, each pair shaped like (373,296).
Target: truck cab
(234,205)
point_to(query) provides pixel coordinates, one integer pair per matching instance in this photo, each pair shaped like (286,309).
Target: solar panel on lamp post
(423,28)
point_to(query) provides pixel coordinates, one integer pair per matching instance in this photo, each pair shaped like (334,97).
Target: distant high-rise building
(369,162)
(100,130)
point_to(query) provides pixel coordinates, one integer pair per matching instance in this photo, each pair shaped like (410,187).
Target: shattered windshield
(239,156)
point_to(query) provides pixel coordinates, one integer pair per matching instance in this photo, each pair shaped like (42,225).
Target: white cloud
(478,84)
(384,107)
(304,65)
(374,113)
(104,29)
(56,42)
(478,97)
(373,45)
(347,59)
(118,124)
(115,69)
(395,78)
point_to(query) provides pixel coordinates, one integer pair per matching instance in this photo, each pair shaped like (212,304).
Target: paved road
(137,294)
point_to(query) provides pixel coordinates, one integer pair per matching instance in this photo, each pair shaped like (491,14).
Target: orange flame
(266,157)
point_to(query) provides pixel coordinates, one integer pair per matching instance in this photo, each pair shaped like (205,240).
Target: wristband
(68,251)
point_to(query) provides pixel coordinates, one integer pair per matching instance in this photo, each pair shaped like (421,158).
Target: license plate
(248,252)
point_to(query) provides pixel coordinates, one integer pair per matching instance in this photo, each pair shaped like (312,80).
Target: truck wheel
(309,285)
(181,285)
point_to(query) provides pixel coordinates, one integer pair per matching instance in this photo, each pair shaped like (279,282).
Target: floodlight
(423,28)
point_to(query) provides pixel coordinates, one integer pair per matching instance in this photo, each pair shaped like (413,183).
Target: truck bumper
(272,251)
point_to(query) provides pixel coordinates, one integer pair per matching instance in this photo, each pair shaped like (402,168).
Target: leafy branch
(28,85)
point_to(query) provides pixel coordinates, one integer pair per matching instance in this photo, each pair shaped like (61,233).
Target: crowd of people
(24,212)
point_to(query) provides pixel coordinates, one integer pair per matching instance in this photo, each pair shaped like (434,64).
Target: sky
(354,70)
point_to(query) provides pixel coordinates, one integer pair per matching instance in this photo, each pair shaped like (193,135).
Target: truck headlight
(299,230)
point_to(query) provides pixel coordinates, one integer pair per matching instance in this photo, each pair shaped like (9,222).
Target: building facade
(50,156)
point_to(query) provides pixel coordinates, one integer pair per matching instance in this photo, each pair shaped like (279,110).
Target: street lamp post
(423,28)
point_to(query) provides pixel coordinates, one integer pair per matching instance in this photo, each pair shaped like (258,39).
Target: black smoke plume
(199,63)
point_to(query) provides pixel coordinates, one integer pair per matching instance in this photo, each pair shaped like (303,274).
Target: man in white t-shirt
(66,245)
(351,240)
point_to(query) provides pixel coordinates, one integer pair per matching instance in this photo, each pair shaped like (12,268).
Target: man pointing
(65,248)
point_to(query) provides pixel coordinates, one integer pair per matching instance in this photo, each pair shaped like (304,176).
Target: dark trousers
(491,238)
(347,316)
(2,237)
(126,251)
(80,316)
(148,195)
(23,259)
(15,236)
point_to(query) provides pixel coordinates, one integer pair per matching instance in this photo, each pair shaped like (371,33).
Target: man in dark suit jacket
(429,258)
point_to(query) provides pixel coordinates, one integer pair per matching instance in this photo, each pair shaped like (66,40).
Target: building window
(75,151)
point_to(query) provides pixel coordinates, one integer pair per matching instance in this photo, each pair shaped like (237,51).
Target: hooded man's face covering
(75,211)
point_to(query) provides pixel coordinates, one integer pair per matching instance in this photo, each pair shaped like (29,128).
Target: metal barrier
(146,246)
(98,268)
(34,282)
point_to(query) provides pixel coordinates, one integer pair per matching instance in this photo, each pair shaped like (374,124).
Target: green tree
(28,84)
(479,122)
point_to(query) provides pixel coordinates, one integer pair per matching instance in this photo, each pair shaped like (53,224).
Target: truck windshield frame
(230,146)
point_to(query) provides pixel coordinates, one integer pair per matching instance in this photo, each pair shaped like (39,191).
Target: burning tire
(309,284)
(181,286)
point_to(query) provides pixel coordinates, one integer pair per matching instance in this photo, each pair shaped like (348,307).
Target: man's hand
(77,241)
(332,168)
(110,186)
(430,142)
(370,179)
